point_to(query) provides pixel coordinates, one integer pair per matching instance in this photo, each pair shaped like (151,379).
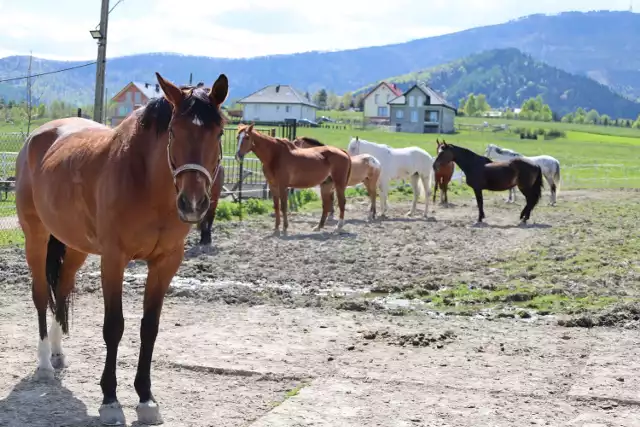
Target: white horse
(398,163)
(550,168)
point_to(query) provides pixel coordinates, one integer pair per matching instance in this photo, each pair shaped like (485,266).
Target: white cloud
(245,28)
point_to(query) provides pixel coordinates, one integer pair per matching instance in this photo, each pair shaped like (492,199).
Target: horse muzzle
(190,210)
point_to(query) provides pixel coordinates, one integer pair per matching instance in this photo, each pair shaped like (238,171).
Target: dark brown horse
(207,222)
(286,166)
(483,174)
(443,177)
(131,192)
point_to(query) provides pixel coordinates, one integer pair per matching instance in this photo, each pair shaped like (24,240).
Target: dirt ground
(316,329)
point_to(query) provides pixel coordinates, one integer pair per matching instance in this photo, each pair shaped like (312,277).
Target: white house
(376,101)
(275,103)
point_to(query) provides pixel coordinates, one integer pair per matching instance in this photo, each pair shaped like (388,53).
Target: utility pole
(101,36)
(29,92)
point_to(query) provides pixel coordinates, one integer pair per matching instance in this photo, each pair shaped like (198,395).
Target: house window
(138,98)
(377,98)
(414,116)
(400,114)
(388,98)
(431,116)
(122,110)
(382,112)
(277,108)
(287,108)
(420,102)
(129,97)
(412,101)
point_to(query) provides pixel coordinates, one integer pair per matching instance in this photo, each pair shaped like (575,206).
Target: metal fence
(242,180)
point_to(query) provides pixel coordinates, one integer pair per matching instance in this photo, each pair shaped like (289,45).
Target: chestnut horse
(207,222)
(286,166)
(443,177)
(483,174)
(127,193)
(364,169)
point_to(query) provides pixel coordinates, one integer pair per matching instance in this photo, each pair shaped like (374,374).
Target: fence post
(79,112)
(240,174)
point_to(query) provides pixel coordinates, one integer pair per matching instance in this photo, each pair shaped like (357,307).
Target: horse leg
(36,238)
(384,192)
(205,226)
(444,199)
(326,191)
(161,271)
(426,185)
(275,195)
(284,196)
(552,186)
(478,193)
(341,205)
(435,189)
(113,264)
(72,262)
(416,193)
(371,190)
(332,206)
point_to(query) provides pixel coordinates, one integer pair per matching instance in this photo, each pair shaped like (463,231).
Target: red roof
(394,88)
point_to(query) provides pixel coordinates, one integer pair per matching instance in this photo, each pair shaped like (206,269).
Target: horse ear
(219,90)
(171,92)
(250,127)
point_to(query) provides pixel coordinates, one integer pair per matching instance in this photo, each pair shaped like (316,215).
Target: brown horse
(443,177)
(483,174)
(131,192)
(364,169)
(287,166)
(207,222)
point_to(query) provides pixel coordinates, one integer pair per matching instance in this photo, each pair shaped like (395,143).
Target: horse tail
(536,191)
(55,256)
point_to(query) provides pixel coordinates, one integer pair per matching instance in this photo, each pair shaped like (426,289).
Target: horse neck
(263,146)
(466,161)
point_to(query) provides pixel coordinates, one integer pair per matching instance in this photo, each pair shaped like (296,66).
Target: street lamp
(96,34)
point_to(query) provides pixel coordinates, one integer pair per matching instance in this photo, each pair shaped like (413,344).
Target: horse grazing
(398,163)
(550,168)
(443,177)
(207,222)
(286,166)
(483,174)
(364,169)
(127,193)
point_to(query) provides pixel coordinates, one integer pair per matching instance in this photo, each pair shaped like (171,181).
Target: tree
(592,117)
(605,120)
(481,104)
(347,101)
(470,105)
(568,118)
(320,98)
(333,101)
(358,102)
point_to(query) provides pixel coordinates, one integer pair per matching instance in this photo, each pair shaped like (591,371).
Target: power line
(48,72)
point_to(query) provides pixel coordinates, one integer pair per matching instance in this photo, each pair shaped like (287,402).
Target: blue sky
(244,28)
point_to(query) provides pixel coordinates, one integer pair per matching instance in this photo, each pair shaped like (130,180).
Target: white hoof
(316,228)
(44,374)
(59,361)
(149,413)
(112,414)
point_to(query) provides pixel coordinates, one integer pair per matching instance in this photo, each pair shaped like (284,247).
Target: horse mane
(197,104)
(311,141)
(471,153)
(506,151)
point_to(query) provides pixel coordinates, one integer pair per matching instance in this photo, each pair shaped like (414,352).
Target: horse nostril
(183,204)
(204,203)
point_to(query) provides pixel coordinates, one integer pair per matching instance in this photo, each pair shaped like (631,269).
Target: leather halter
(175,171)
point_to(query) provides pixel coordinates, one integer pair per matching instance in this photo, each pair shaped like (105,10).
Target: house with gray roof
(131,97)
(275,103)
(422,110)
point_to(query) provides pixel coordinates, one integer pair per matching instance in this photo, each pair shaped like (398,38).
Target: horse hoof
(59,361)
(44,374)
(111,414)
(276,233)
(149,413)
(316,228)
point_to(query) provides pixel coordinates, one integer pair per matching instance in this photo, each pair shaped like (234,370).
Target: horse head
(354,146)
(194,149)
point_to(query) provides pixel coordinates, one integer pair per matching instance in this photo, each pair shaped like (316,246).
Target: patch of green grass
(8,205)
(11,237)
